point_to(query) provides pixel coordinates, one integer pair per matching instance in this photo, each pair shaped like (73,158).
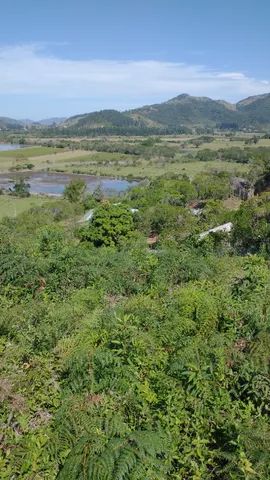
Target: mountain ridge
(174,115)
(183,110)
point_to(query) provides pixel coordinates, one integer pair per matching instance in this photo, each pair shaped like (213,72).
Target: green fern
(117,460)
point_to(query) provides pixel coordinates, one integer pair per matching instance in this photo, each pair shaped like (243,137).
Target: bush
(21,188)
(109,226)
(75,191)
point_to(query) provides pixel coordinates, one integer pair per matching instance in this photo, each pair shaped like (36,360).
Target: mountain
(48,122)
(203,111)
(107,122)
(10,124)
(177,115)
(187,110)
(256,110)
(102,119)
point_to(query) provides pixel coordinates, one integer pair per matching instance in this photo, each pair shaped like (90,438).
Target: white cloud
(30,70)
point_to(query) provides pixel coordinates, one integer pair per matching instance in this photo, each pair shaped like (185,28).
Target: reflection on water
(54,183)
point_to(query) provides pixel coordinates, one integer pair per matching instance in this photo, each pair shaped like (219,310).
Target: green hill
(102,119)
(189,111)
(10,124)
(176,115)
(255,110)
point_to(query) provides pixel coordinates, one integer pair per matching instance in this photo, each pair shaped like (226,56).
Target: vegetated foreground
(131,349)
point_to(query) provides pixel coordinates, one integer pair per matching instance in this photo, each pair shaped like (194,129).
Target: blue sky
(61,57)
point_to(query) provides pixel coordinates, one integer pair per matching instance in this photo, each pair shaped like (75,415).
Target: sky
(63,57)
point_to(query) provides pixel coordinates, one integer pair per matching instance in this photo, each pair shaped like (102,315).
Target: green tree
(110,225)
(21,188)
(98,193)
(216,186)
(75,191)
(251,231)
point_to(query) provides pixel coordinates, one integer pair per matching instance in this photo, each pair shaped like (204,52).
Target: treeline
(234,154)
(125,131)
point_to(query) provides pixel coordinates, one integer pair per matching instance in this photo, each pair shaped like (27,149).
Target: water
(54,183)
(5,147)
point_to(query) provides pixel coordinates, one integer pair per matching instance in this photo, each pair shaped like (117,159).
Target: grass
(222,142)
(219,142)
(28,152)
(119,164)
(34,155)
(151,169)
(13,206)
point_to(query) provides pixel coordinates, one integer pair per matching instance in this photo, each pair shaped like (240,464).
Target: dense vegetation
(134,360)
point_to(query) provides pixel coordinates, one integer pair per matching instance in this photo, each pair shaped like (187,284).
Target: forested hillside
(177,115)
(256,110)
(189,111)
(131,349)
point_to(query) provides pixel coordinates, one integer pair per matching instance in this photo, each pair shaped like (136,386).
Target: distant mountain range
(12,124)
(179,113)
(48,122)
(9,123)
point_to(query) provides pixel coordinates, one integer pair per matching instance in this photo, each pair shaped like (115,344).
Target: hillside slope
(255,110)
(10,124)
(178,113)
(102,119)
(189,111)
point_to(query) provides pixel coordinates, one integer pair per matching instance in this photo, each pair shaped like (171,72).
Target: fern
(117,460)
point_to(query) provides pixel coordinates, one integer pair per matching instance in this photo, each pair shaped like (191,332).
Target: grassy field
(219,142)
(140,168)
(226,143)
(28,152)
(13,159)
(13,206)
(55,159)
(111,164)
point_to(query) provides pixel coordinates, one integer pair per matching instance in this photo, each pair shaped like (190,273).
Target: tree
(21,188)
(75,191)
(251,231)
(109,225)
(216,186)
(98,193)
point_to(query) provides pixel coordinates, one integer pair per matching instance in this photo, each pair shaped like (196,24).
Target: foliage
(75,190)
(21,188)
(252,228)
(111,223)
(129,362)
(213,186)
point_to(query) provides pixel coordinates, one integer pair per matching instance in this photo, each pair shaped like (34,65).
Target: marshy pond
(44,183)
